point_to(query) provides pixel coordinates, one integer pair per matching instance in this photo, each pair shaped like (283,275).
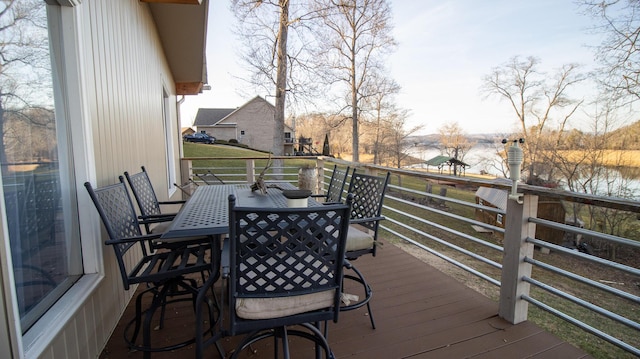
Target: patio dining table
(206,213)
(207,210)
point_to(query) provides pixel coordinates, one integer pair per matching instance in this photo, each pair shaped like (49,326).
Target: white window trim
(171,171)
(65,27)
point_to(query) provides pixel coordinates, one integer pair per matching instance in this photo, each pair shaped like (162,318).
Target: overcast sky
(445,49)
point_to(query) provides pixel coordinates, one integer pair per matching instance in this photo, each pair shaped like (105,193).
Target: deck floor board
(419,311)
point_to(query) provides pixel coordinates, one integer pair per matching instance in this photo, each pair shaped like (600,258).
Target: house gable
(211,116)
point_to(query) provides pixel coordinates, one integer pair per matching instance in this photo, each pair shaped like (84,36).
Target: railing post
(320,167)
(251,171)
(517,229)
(185,170)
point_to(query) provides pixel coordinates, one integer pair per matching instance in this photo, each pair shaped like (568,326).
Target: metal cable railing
(419,217)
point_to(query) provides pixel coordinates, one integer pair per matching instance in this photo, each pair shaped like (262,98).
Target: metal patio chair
(151,215)
(285,269)
(336,186)
(366,213)
(168,276)
(208,178)
(187,188)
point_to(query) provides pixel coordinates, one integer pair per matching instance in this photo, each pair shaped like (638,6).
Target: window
(168,134)
(37,179)
(499,218)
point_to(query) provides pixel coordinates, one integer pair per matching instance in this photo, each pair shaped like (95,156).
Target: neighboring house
(117,70)
(251,124)
(187,131)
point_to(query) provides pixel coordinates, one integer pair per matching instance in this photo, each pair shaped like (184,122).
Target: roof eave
(182,28)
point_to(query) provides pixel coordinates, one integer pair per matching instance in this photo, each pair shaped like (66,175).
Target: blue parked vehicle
(199,137)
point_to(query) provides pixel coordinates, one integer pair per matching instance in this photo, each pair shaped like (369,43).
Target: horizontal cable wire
(615,341)
(446,258)
(588,257)
(592,307)
(604,287)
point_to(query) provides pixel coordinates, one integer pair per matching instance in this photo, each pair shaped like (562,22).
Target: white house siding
(124,72)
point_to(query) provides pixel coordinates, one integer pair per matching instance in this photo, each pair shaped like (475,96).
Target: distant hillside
(626,138)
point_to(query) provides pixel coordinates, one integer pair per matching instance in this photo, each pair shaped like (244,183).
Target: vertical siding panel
(88,328)
(124,73)
(81,340)
(59,347)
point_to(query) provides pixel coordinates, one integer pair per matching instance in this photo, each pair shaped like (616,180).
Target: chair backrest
(336,185)
(143,192)
(208,178)
(285,252)
(187,188)
(368,195)
(119,218)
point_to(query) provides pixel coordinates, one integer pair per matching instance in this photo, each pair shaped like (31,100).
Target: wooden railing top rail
(583,198)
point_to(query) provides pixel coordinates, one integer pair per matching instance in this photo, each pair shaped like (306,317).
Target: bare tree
(316,126)
(619,53)
(455,143)
(354,36)
(278,61)
(539,101)
(382,110)
(399,135)
(26,100)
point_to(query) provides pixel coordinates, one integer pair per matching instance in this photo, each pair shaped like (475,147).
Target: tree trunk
(281,86)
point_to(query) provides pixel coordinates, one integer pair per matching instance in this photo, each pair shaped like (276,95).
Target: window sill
(40,336)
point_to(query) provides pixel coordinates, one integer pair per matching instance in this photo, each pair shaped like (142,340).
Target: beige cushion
(267,308)
(276,307)
(358,238)
(160,227)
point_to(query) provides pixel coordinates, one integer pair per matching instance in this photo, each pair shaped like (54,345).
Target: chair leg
(367,290)
(200,342)
(181,289)
(281,334)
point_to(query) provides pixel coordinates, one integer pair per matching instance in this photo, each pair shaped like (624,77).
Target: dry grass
(626,158)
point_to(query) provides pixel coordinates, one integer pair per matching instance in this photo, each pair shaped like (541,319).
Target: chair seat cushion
(358,238)
(160,227)
(277,307)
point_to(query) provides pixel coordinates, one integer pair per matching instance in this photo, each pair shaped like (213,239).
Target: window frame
(171,173)
(64,24)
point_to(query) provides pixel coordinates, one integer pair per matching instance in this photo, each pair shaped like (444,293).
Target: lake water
(483,158)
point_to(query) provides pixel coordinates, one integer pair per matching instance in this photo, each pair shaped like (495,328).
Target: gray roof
(211,116)
(438,160)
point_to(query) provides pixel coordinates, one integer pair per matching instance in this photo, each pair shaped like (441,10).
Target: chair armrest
(132,239)
(157,218)
(173,202)
(318,195)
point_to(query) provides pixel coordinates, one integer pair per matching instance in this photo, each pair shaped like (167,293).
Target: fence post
(320,167)
(251,171)
(185,170)
(517,228)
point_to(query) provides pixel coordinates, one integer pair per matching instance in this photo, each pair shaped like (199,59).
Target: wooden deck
(419,311)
